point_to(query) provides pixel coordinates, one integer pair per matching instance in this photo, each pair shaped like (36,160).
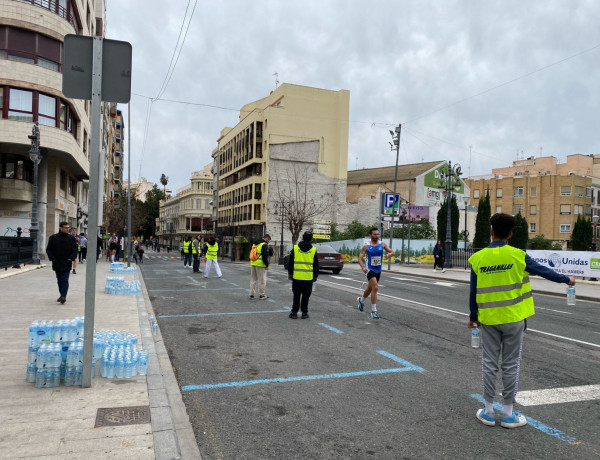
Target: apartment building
(189,212)
(31,60)
(296,130)
(139,188)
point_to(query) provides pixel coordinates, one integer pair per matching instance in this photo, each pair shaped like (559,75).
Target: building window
(578,191)
(565,228)
(532,210)
(565,209)
(198,204)
(85,142)
(518,192)
(565,190)
(498,209)
(532,191)
(532,227)
(63,180)
(20,105)
(517,208)
(498,193)
(475,193)
(16,167)
(21,45)
(577,209)
(47,110)
(72,187)
(588,190)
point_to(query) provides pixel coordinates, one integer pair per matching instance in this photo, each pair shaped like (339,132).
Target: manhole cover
(116,416)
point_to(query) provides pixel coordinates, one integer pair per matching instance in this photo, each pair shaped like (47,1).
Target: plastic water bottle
(31,373)
(33,328)
(290,284)
(32,351)
(314,285)
(475,339)
(151,320)
(155,329)
(571,299)
(143,363)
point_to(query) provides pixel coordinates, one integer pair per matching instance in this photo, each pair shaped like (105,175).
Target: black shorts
(372,274)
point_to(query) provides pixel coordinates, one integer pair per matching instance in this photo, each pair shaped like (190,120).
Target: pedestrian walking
(500,303)
(210,251)
(187,252)
(140,254)
(99,248)
(113,246)
(83,247)
(374,252)
(76,236)
(259,264)
(303,271)
(62,251)
(438,256)
(196,248)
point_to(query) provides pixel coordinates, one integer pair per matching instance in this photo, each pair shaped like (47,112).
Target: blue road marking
(244,383)
(337,331)
(271,300)
(201,289)
(233,284)
(285,310)
(534,423)
(411,366)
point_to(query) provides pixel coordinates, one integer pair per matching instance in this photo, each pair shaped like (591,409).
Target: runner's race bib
(375,261)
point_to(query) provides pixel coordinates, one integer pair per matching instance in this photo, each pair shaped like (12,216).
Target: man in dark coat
(303,271)
(62,251)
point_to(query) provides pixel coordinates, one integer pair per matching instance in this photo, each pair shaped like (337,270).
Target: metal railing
(460,258)
(55,7)
(15,250)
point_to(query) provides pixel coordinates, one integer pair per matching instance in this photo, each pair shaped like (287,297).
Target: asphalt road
(257,384)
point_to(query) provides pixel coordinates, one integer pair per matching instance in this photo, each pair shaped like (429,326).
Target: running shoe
(484,418)
(374,315)
(304,315)
(514,421)
(361,305)
(263,297)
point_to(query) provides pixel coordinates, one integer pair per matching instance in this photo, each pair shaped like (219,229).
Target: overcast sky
(500,76)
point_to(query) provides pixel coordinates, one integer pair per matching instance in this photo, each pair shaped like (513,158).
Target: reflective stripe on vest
(211,252)
(503,291)
(303,263)
(258,262)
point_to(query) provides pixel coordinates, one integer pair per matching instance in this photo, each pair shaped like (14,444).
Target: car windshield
(323,248)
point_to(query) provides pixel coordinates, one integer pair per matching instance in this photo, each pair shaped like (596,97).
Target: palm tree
(164,180)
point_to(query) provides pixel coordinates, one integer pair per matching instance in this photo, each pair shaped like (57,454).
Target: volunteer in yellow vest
(258,267)
(500,303)
(210,251)
(187,252)
(303,270)
(196,248)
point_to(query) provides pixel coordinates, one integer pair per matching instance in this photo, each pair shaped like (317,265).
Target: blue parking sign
(390,202)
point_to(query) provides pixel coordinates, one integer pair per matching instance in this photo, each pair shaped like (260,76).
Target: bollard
(17,265)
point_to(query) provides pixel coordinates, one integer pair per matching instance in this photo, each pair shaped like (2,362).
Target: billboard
(574,263)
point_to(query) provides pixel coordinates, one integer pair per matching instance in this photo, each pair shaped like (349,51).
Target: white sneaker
(434,270)
(443,270)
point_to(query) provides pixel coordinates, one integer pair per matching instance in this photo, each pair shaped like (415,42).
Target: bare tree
(115,215)
(304,199)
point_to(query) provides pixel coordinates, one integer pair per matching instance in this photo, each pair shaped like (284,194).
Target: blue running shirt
(374,257)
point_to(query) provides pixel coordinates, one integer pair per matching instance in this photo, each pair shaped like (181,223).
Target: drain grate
(117,416)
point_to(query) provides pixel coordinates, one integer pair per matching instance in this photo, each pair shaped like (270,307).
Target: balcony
(55,7)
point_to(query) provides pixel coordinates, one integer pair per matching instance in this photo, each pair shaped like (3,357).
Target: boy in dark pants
(501,302)
(303,270)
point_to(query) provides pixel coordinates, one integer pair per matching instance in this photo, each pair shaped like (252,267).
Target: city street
(257,384)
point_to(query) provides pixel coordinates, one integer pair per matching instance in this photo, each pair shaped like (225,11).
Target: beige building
(294,130)
(189,212)
(31,60)
(549,203)
(139,188)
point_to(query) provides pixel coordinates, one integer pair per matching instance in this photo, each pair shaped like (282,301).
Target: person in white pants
(210,250)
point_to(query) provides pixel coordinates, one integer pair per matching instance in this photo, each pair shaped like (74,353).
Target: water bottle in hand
(571,300)
(475,339)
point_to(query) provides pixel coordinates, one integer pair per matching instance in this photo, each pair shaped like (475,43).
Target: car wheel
(336,271)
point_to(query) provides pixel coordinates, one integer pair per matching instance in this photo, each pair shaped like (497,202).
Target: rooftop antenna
(276,74)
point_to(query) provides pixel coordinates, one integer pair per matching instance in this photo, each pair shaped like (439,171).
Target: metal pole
(448,242)
(397,142)
(380,213)
(466,234)
(18,264)
(129,244)
(402,249)
(281,208)
(33,230)
(409,204)
(90,272)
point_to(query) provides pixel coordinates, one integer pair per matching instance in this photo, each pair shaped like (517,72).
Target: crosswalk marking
(558,395)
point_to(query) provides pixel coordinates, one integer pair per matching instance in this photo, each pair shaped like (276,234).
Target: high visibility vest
(303,263)
(186,247)
(503,290)
(194,249)
(258,262)
(211,252)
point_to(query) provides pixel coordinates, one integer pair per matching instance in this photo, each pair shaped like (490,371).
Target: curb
(173,434)
(18,271)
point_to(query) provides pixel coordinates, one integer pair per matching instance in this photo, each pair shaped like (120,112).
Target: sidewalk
(59,423)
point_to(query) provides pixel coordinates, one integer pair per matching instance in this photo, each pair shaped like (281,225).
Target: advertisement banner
(417,213)
(574,263)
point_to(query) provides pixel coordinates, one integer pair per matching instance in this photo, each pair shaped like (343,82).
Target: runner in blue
(374,252)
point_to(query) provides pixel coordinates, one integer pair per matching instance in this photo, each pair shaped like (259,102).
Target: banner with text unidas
(575,263)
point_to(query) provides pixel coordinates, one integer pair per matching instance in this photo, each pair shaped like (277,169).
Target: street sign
(77,69)
(322,237)
(390,203)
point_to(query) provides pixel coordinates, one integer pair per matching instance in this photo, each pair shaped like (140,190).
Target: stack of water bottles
(116,285)
(56,353)
(119,267)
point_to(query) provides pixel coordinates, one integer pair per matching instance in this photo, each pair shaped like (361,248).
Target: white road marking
(557,311)
(558,395)
(410,284)
(439,283)
(342,278)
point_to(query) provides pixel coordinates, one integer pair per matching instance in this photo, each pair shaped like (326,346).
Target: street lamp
(595,221)
(36,157)
(450,179)
(171,235)
(403,219)
(395,145)
(280,208)
(466,233)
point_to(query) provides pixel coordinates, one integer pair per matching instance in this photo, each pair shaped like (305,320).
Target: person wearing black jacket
(303,270)
(62,251)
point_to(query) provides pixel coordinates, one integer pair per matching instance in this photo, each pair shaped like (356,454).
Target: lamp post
(395,145)
(403,220)
(36,157)
(280,209)
(451,179)
(466,233)
(233,239)
(171,235)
